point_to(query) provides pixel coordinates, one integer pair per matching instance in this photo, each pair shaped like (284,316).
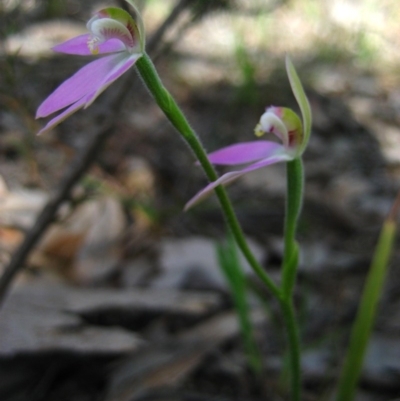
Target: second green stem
(295,181)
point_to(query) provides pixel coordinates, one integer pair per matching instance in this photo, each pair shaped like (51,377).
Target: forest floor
(123,299)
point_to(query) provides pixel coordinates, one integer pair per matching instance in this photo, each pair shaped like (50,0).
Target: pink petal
(122,64)
(79,46)
(87,80)
(61,117)
(234,175)
(246,152)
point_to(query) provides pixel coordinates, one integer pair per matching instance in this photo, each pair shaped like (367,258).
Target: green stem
(293,336)
(168,105)
(295,183)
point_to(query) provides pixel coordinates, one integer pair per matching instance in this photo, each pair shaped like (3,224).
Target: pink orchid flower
(113,33)
(280,121)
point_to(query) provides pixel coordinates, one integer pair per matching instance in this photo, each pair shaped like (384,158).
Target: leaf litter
(144,296)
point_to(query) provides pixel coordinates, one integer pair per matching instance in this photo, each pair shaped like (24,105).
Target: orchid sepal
(140,24)
(279,156)
(302,101)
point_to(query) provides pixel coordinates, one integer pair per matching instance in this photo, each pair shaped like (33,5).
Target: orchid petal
(113,22)
(104,29)
(87,80)
(302,101)
(121,66)
(234,175)
(79,46)
(64,115)
(270,122)
(242,153)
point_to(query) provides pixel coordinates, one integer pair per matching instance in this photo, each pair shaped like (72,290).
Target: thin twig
(79,166)
(175,13)
(77,169)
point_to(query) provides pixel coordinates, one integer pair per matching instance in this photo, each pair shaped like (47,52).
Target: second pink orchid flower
(280,121)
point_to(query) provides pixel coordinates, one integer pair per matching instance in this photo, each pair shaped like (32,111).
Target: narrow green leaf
(229,262)
(365,318)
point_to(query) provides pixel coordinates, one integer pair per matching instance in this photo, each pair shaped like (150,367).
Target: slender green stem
(366,314)
(293,336)
(175,116)
(295,183)
(289,269)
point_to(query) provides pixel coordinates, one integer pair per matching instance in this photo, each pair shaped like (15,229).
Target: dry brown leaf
(33,319)
(10,238)
(101,250)
(168,364)
(47,316)
(85,247)
(153,367)
(138,178)
(19,208)
(189,303)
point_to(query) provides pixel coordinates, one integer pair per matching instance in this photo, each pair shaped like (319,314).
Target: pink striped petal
(87,80)
(121,66)
(234,175)
(242,153)
(79,46)
(61,117)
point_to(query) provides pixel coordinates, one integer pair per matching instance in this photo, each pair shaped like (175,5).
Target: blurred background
(123,286)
